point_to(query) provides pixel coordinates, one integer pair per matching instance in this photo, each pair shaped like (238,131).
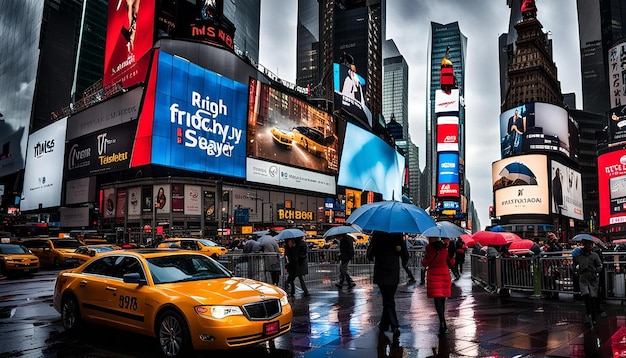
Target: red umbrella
(521,244)
(510,237)
(489,238)
(468,240)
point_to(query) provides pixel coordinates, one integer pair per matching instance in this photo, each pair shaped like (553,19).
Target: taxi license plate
(270,328)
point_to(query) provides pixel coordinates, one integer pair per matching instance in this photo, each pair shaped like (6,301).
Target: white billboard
(281,175)
(43,176)
(447,102)
(520,185)
(567,191)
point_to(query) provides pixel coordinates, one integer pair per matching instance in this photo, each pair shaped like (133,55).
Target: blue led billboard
(448,168)
(368,163)
(199,119)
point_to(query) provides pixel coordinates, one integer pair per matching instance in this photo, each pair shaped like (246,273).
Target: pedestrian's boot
(339,284)
(591,321)
(443,327)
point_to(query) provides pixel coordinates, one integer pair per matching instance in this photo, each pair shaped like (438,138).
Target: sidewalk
(342,323)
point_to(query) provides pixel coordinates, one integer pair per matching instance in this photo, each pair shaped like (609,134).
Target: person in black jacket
(346,253)
(387,250)
(297,264)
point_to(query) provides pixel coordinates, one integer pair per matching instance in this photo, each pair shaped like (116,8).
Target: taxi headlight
(284,301)
(218,312)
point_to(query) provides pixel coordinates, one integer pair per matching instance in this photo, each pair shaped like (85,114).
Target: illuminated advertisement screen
(43,175)
(612,187)
(370,164)
(199,119)
(129,36)
(617,76)
(448,175)
(104,151)
(567,191)
(350,93)
(197,20)
(284,129)
(447,134)
(520,185)
(445,102)
(536,127)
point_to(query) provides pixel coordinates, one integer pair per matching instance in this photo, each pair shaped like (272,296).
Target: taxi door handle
(109,288)
(83,283)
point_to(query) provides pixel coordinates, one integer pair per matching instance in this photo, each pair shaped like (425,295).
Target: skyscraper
(444,37)
(396,111)
(246,15)
(601,23)
(308,44)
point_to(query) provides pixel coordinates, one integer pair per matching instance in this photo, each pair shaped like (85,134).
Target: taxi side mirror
(92,253)
(134,278)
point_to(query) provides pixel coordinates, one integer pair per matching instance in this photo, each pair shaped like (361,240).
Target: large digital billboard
(448,134)
(567,191)
(129,36)
(445,102)
(285,129)
(612,187)
(43,175)
(104,151)
(350,93)
(448,175)
(199,119)
(370,164)
(537,127)
(617,124)
(520,185)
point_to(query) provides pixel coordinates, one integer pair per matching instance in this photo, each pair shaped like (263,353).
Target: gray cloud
(482,21)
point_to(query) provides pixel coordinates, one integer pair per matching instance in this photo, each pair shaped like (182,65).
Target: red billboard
(612,187)
(130,35)
(447,134)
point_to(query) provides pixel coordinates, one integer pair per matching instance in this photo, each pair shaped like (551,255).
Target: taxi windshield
(183,268)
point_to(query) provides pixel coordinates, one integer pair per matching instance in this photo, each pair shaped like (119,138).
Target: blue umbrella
(497,228)
(588,237)
(391,217)
(444,229)
(340,230)
(290,234)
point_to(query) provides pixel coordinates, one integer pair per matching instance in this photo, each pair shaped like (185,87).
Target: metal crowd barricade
(549,274)
(323,266)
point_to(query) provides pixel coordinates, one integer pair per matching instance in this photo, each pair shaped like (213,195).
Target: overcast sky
(408,24)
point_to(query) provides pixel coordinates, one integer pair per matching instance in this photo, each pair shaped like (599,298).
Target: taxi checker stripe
(113,312)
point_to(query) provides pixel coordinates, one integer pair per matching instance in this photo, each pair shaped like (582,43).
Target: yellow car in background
(360,240)
(282,137)
(205,245)
(315,242)
(185,299)
(51,251)
(16,259)
(83,253)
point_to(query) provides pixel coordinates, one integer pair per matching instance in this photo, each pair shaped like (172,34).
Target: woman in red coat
(437,261)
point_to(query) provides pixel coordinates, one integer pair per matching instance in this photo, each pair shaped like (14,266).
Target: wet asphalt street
(340,323)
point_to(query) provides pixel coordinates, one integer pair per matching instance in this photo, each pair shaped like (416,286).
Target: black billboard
(103,151)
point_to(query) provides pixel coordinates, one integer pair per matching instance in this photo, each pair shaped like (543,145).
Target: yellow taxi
(360,240)
(184,299)
(282,136)
(205,245)
(313,140)
(83,253)
(16,259)
(51,251)
(315,242)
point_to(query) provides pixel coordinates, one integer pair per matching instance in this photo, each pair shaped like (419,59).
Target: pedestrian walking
(297,264)
(405,264)
(438,281)
(587,265)
(269,246)
(387,250)
(346,253)
(459,256)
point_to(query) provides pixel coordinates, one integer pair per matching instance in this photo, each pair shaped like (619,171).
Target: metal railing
(547,275)
(323,266)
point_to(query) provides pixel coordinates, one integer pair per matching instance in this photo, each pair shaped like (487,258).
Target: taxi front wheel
(173,335)
(70,314)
